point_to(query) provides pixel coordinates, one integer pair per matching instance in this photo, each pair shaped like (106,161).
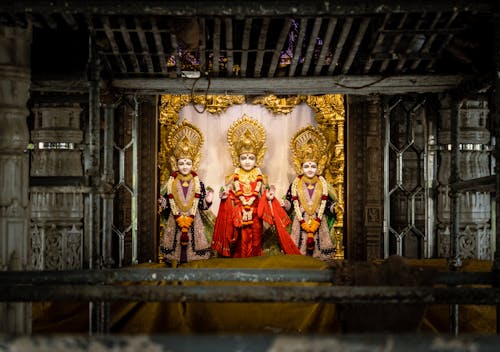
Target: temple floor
(281,318)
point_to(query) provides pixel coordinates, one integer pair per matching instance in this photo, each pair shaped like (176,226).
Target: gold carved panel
(330,116)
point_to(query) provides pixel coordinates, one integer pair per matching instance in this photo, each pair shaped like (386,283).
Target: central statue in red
(247,200)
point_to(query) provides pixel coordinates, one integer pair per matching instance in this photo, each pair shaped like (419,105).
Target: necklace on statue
(185,179)
(311,183)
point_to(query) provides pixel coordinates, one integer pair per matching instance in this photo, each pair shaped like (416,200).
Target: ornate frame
(330,116)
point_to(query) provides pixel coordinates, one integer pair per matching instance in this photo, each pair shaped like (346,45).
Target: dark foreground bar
(253,293)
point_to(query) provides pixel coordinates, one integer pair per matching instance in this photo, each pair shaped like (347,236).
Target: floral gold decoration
(216,104)
(279,105)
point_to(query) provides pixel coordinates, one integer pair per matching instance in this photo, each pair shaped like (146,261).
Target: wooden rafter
(311,46)
(332,23)
(340,45)
(261,46)
(355,45)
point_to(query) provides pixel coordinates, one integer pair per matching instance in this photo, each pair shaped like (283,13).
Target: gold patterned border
(330,116)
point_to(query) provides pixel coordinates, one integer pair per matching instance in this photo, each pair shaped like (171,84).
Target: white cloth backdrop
(216,161)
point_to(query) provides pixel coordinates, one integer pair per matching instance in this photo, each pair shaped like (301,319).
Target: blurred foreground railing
(99,288)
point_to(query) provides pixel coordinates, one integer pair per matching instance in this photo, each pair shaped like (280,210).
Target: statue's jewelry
(185,179)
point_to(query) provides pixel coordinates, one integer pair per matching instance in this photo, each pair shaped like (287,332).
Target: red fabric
(233,239)
(278,217)
(223,229)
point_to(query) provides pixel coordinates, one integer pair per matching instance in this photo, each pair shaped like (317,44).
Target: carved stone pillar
(474,207)
(374,180)
(57,207)
(14,210)
(364,179)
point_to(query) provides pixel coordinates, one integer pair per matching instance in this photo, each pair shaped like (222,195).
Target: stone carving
(474,207)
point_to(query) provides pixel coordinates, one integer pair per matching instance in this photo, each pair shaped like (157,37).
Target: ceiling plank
(312,45)
(378,44)
(146,56)
(114,46)
(159,45)
(229,46)
(340,45)
(395,43)
(175,48)
(429,40)
(297,53)
(128,43)
(245,45)
(285,30)
(261,46)
(356,44)
(360,85)
(326,45)
(445,42)
(413,42)
(203,46)
(216,47)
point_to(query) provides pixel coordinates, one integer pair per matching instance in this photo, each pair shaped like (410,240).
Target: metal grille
(408,218)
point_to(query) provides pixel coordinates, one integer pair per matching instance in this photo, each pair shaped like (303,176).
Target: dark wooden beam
(340,45)
(311,46)
(261,46)
(128,43)
(355,45)
(229,46)
(159,45)
(245,45)
(394,42)
(297,52)
(279,47)
(216,46)
(146,56)
(246,7)
(360,85)
(326,45)
(378,44)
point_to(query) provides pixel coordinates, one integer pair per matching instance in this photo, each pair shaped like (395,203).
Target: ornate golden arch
(330,116)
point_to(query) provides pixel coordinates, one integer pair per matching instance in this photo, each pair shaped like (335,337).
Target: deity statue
(182,198)
(310,198)
(247,200)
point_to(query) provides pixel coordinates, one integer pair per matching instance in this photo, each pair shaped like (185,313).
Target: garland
(312,225)
(247,198)
(183,214)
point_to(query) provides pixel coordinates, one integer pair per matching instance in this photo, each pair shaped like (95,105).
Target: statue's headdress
(246,135)
(184,142)
(309,144)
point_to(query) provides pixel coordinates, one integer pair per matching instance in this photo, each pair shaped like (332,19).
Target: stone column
(474,207)
(15,80)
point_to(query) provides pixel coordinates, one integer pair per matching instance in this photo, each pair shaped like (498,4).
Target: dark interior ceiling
(300,44)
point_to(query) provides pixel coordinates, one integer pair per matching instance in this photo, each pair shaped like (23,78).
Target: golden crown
(184,142)
(246,135)
(309,144)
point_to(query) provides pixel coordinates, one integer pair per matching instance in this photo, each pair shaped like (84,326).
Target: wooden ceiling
(265,46)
